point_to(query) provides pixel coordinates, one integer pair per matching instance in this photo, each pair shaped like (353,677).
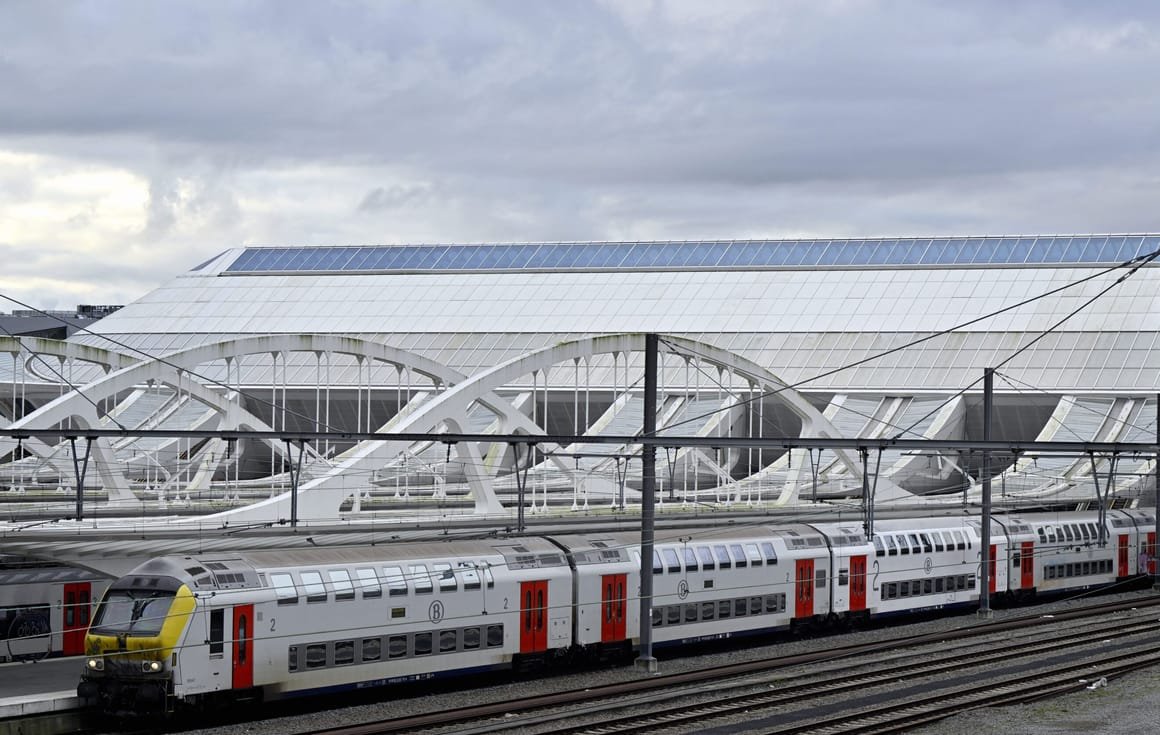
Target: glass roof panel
(697,254)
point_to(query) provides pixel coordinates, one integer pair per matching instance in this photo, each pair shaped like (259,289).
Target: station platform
(44,690)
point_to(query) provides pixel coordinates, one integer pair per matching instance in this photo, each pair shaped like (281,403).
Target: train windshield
(132,611)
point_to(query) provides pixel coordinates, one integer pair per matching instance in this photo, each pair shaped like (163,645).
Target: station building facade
(838,337)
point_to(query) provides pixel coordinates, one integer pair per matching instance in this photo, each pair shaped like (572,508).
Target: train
(45,609)
(196,631)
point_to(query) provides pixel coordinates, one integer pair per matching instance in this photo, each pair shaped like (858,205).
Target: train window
(398,612)
(343,653)
(292,658)
(217,632)
(495,636)
(708,610)
(903,544)
(915,588)
(284,588)
(960,540)
(740,607)
(938,540)
(771,604)
(422,579)
(927,547)
(724,609)
(708,585)
(706,555)
(658,566)
(915,546)
(397,646)
(1042,536)
(904,589)
(1015,558)
(1069,570)
(888,591)
(970,582)
(843,577)
(422,644)
(820,578)
(690,559)
(673,615)
(769,551)
(340,581)
(1087,568)
(368,582)
(722,555)
(1049,572)
(1067,532)
(891,546)
(470,578)
(396,582)
(448,640)
(879,547)
(1095,530)
(658,617)
(372,649)
(690,612)
(446,577)
(754,605)
(313,587)
(940,585)
(316,656)
(753,554)
(672,561)
(470,639)
(1085,532)
(738,553)
(927,586)
(487,575)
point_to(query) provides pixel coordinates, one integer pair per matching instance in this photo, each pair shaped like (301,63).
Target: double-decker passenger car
(186,631)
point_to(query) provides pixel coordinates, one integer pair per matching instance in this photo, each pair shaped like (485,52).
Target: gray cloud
(273,122)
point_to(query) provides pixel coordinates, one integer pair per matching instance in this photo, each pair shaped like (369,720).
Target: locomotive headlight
(95,664)
(151,667)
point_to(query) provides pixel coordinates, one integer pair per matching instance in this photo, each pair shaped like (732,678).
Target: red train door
(1027,566)
(1151,550)
(992,565)
(1122,548)
(77,609)
(857,583)
(804,594)
(533,617)
(243,647)
(612,600)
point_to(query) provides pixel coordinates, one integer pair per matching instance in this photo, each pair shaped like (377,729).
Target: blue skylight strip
(719,254)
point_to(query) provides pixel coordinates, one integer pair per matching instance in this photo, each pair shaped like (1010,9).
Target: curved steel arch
(321,497)
(173,369)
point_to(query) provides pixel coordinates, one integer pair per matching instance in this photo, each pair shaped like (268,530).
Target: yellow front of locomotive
(133,644)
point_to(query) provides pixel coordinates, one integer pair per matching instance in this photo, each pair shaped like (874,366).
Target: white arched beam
(173,370)
(321,497)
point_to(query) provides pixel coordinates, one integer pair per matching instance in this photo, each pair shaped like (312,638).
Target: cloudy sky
(139,138)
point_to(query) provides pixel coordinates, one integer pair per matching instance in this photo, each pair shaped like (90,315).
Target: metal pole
(81,469)
(295,470)
(865,491)
(648,501)
(985,571)
(1156,506)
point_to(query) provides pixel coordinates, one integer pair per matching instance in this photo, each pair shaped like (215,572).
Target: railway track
(670,701)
